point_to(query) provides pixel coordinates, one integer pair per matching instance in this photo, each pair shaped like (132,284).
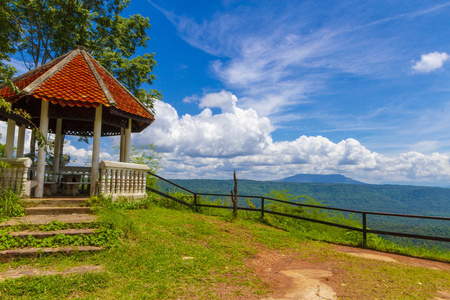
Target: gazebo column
(57,153)
(127,149)
(10,132)
(122,145)
(96,149)
(20,141)
(40,169)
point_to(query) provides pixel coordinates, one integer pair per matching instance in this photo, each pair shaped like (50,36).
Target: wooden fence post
(234,197)
(262,207)
(364,229)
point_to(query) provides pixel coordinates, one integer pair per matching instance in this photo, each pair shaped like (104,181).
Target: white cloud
(211,145)
(233,132)
(18,64)
(226,101)
(430,62)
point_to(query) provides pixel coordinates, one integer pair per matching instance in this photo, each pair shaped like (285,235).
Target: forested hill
(420,200)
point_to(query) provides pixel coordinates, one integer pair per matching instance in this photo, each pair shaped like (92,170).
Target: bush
(10,206)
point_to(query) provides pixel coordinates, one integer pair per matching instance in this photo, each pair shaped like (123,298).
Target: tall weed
(9,205)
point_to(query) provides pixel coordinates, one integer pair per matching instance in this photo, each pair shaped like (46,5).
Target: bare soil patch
(325,274)
(390,257)
(291,278)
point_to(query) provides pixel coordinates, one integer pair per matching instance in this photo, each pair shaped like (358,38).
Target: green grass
(9,205)
(177,254)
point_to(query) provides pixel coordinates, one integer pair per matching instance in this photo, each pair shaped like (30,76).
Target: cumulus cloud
(233,132)
(209,145)
(430,62)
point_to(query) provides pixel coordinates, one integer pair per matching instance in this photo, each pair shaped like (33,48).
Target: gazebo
(74,95)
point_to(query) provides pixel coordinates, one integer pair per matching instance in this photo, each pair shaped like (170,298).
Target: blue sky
(276,88)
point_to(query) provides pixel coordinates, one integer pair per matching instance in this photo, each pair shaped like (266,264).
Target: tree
(41,30)
(8,36)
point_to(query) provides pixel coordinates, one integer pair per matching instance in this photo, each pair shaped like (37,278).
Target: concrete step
(30,211)
(26,252)
(44,234)
(45,219)
(67,202)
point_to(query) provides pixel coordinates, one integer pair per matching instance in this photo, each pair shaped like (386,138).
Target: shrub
(9,205)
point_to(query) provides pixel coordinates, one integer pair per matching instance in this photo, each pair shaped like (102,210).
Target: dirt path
(293,278)
(395,258)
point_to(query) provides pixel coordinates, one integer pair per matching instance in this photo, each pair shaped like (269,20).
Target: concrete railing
(122,179)
(15,175)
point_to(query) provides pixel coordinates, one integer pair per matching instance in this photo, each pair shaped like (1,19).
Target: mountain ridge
(320,178)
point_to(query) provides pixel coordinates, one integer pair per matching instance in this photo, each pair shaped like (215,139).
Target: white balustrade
(15,175)
(122,179)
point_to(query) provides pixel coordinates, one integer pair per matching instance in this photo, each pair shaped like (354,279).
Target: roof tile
(124,101)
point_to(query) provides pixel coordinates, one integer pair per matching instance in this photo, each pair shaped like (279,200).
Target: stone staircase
(44,211)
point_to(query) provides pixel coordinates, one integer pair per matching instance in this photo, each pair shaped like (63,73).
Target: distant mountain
(332,178)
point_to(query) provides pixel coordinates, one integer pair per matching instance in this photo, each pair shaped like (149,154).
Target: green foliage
(10,206)
(43,30)
(52,226)
(106,234)
(121,203)
(169,203)
(8,36)
(100,238)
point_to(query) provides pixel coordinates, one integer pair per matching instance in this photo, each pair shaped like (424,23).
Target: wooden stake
(234,197)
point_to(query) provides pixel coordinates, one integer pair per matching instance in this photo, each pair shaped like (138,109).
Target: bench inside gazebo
(73,95)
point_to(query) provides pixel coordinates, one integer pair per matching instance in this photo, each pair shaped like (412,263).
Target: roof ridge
(121,85)
(44,77)
(99,79)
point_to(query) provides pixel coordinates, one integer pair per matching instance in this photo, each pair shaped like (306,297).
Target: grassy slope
(149,263)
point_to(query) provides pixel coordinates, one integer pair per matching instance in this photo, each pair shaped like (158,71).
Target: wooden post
(96,149)
(364,229)
(262,208)
(20,141)
(234,197)
(10,132)
(40,170)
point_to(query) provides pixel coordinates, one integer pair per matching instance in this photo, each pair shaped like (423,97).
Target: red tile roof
(73,85)
(6,92)
(126,103)
(76,79)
